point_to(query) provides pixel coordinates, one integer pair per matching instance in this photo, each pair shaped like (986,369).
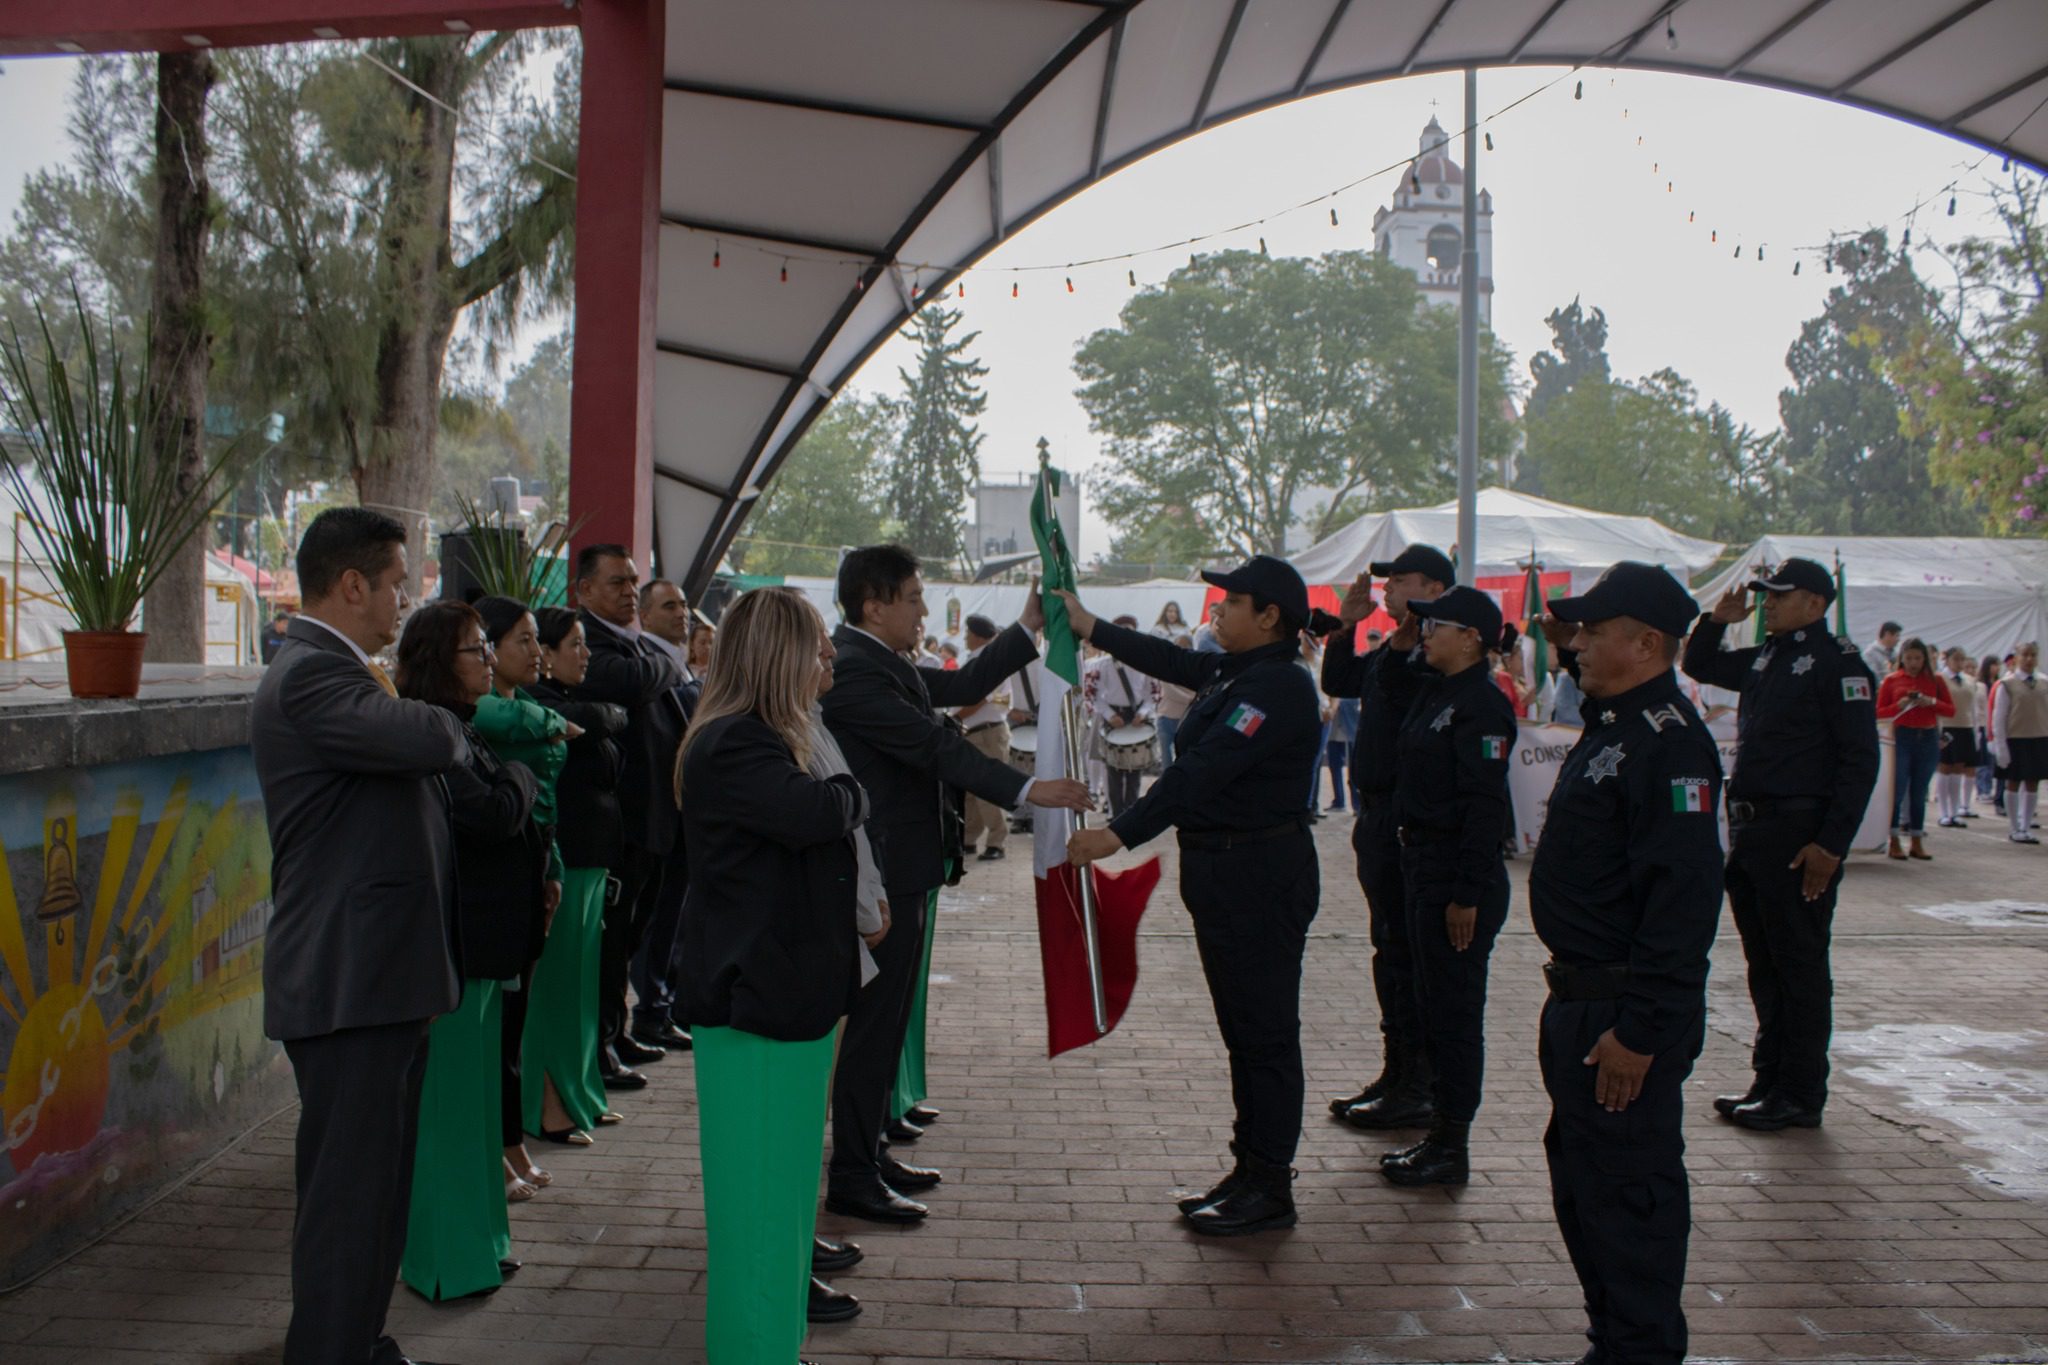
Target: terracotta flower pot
(104,663)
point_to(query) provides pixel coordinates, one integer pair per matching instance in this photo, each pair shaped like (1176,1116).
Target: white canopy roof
(1984,595)
(878,148)
(1511,526)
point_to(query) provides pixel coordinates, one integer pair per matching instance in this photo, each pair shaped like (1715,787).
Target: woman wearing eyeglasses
(458,1242)
(1452,804)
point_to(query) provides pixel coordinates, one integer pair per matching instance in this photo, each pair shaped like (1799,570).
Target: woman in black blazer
(770,964)
(458,1237)
(563,1088)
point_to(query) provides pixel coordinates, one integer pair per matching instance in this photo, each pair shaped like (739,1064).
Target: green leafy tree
(1577,354)
(1975,383)
(1245,387)
(1853,466)
(831,492)
(938,450)
(1642,449)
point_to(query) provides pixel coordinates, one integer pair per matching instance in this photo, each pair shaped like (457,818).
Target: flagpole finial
(1044,450)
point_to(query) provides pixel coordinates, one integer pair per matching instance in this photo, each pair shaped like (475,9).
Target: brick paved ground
(1914,1226)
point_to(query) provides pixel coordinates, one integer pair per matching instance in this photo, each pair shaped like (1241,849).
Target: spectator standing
(1170,625)
(1989,783)
(458,1242)
(1957,770)
(1343,731)
(1915,699)
(1174,701)
(987,726)
(627,670)
(665,617)
(2019,738)
(274,638)
(354,967)
(1882,654)
(702,636)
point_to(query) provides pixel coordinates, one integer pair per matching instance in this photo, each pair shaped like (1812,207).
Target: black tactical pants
(1785,941)
(1451,985)
(1386,917)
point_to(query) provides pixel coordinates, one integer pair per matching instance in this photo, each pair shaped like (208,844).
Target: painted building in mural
(133,904)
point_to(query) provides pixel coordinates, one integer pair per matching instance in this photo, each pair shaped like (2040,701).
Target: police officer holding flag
(1625,892)
(1238,793)
(1807,761)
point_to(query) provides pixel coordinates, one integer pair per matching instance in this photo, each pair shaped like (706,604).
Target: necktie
(383,678)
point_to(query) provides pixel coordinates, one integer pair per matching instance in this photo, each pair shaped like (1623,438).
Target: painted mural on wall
(133,904)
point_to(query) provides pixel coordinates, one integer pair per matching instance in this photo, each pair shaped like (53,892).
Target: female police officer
(1452,805)
(1238,793)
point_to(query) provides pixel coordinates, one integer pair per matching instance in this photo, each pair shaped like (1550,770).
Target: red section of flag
(1120,899)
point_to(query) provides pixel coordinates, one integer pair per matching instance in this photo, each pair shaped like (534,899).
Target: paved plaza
(1914,1226)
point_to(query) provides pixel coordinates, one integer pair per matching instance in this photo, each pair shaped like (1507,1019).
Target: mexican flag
(1120,897)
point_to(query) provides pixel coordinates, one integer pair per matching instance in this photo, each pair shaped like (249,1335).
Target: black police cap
(982,627)
(1426,560)
(1643,592)
(1797,573)
(1269,580)
(1465,607)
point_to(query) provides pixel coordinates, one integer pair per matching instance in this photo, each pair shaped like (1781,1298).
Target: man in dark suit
(665,623)
(629,670)
(880,711)
(362,943)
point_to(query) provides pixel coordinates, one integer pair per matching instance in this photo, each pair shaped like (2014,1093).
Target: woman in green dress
(521,730)
(563,1089)
(458,1241)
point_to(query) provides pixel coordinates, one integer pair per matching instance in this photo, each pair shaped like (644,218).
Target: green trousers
(459,1230)
(910,1078)
(560,1043)
(761,1132)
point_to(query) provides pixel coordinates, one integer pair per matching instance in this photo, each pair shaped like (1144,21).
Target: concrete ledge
(182,709)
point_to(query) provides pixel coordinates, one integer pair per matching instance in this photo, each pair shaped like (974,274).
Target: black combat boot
(1263,1198)
(1442,1158)
(1222,1187)
(1390,1070)
(1405,1103)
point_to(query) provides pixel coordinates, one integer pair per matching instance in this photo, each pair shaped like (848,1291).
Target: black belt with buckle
(1769,808)
(985,725)
(1586,981)
(1231,838)
(1414,836)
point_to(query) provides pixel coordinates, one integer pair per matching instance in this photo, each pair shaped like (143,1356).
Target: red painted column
(618,210)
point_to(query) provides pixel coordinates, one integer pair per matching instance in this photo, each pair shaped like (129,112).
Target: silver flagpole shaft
(1089,941)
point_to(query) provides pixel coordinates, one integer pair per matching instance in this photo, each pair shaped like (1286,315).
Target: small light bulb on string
(1013,289)
(1951,206)
(1070,284)
(1624,112)
(1692,215)
(1906,237)
(1639,139)
(1191,260)
(1579,91)
(1489,142)
(1132,276)
(2005,165)
(1828,263)
(1262,246)
(1670,34)
(715,255)
(1759,251)
(1795,267)
(1738,252)
(1333,217)
(1414,181)
(963,289)
(1714,234)
(785,274)
(1667,187)
(1656,167)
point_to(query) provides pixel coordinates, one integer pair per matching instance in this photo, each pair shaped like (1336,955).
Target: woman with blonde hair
(771,964)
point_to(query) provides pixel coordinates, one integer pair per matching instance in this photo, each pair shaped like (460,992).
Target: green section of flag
(1056,570)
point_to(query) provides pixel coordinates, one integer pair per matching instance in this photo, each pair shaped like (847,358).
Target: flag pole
(1091,944)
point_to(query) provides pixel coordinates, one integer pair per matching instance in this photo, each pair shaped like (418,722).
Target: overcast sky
(1580,208)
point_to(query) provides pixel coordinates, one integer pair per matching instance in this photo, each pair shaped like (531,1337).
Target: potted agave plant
(101,490)
(499,558)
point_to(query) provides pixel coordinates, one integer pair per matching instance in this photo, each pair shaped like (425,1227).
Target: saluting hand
(1733,606)
(1621,1073)
(1820,868)
(1084,846)
(1460,922)
(1559,633)
(1357,604)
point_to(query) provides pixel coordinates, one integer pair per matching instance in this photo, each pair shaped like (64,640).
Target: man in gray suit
(362,942)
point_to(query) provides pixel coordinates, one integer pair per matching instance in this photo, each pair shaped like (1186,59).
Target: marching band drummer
(1238,795)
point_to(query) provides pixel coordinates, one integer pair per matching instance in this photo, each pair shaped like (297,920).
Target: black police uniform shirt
(1453,755)
(1247,745)
(1629,868)
(1807,726)
(1385,681)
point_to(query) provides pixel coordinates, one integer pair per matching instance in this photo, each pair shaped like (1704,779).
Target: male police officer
(1399,1097)
(1808,759)
(1238,792)
(1626,893)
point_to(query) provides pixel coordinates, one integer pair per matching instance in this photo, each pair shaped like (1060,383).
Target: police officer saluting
(1384,681)
(1807,761)
(1452,803)
(1625,892)
(1238,793)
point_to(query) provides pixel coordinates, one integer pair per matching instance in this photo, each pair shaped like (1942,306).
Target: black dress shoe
(663,1035)
(875,1202)
(624,1078)
(631,1053)
(831,1305)
(991,855)
(509,1267)
(902,1130)
(1726,1105)
(923,1115)
(1394,1109)
(1774,1112)
(828,1256)
(912,1179)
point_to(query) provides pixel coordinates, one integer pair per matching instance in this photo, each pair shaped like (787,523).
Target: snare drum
(1024,747)
(1131,748)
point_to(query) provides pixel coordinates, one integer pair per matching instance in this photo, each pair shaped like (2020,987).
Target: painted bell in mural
(60,887)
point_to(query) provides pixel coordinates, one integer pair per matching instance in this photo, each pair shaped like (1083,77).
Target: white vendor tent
(1981,594)
(1564,539)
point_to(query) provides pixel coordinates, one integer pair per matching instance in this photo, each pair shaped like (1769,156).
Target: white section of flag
(1050,828)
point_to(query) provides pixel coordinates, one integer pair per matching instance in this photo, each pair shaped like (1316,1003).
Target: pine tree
(938,458)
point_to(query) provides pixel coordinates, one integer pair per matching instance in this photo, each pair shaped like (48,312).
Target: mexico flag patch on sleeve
(1493,746)
(1245,719)
(1855,689)
(1689,795)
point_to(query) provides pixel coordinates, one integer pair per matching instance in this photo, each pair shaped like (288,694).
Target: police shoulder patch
(1661,716)
(1689,795)
(1848,645)
(1855,689)
(1245,719)
(1493,746)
